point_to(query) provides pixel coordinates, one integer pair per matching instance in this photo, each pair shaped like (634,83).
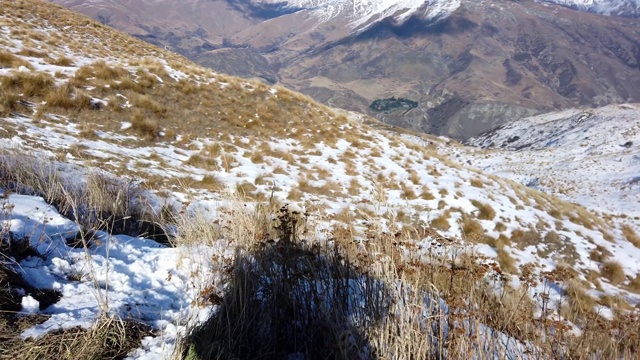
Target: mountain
(567,154)
(461,67)
(627,8)
(403,239)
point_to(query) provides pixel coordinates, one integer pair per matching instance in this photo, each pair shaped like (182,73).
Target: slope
(468,65)
(78,93)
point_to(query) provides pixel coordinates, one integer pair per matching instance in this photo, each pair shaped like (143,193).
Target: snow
(138,278)
(606,7)
(124,276)
(566,154)
(367,12)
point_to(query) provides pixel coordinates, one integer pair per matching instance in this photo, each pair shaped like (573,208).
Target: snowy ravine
(124,276)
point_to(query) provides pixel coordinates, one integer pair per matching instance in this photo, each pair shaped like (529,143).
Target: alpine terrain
(152,208)
(445,67)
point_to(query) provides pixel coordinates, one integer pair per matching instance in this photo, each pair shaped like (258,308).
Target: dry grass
(29,84)
(507,263)
(631,235)
(612,271)
(471,228)
(67,97)
(485,211)
(8,103)
(10,60)
(476,183)
(441,222)
(143,125)
(62,61)
(109,338)
(33,53)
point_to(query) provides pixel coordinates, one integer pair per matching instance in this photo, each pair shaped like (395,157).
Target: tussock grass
(631,235)
(67,97)
(33,53)
(109,338)
(8,103)
(441,222)
(29,84)
(471,228)
(62,61)
(486,212)
(10,60)
(475,182)
(613,271)
(143,125)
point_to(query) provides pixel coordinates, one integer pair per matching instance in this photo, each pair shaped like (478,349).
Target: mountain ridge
(479,66)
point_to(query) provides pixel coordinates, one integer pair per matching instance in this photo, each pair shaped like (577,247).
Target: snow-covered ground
(368,175)
(590,157)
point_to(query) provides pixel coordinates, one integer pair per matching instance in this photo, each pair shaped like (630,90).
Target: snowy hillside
(220,157)
(370,11)
(591,157)
(606,7)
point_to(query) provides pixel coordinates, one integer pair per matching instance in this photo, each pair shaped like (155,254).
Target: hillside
(585,156)
(105,128)
(469,65)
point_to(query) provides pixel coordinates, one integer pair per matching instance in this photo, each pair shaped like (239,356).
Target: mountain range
(463,67)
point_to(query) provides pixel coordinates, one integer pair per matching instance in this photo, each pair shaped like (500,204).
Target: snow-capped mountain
(367,12)
(629,8)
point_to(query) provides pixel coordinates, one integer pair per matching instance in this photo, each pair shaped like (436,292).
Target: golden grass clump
(507,263)
(148,103)
(8,103)
(10,60)
(67,97)
(486,212)
(471,228)
(109,338)
(28,83)
(33,53)
(62,61)
(441,222)
(580,302)
(143,125)
(475,182)
(631,235)
(612,271)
